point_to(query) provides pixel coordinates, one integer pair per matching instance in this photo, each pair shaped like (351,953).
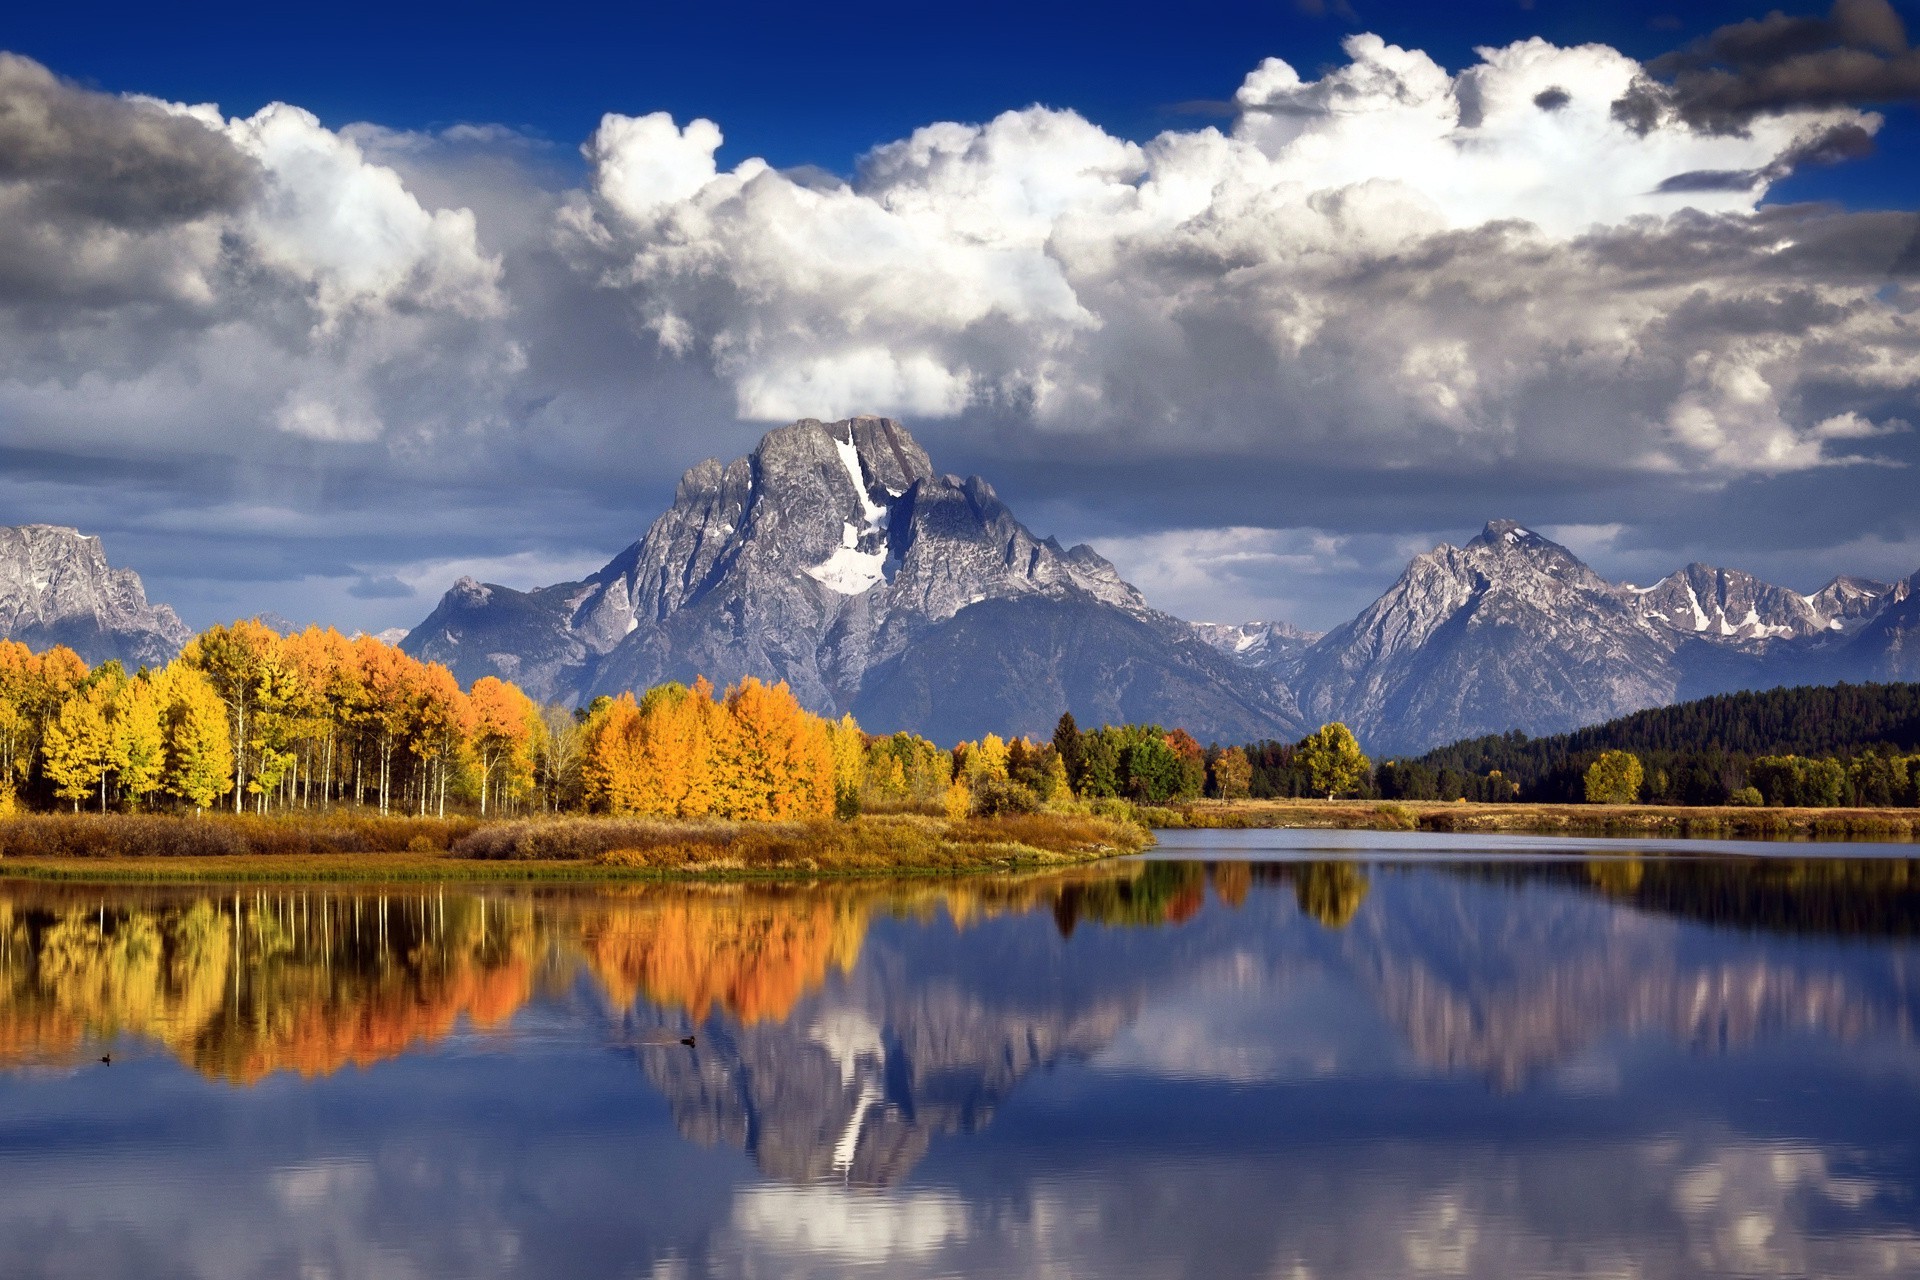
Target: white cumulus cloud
(1427,266)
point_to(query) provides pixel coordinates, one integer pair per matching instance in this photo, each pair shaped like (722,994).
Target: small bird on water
(687,1041)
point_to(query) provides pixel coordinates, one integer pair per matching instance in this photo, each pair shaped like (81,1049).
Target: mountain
(1888,646)
(1511,630)
(57,588)
(1514,632)
(1727,603)
(836,558)
(1265,646)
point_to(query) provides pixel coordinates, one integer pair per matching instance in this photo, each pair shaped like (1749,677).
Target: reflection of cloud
(851,1226)
(326,1182)
(1236,1023)
(1746,1206)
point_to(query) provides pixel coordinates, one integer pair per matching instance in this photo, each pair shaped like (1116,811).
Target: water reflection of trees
(1849,897)
(243,984)
(239,984)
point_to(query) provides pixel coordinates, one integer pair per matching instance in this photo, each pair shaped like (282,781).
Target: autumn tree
(1614,778)
(235,661)
(440,725)
(849,765)
(785,759)
(135,717)
(1333,759)
(79,746)
(199,750)
(610,770)
(1232,774)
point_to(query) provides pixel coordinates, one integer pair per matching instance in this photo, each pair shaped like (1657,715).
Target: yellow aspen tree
(139,741)
(607,756)
(849,764)
(387,676)
(234,660)
(987,761)
(19,669)
(672,753)
(78,747)
(786,756)
(504,722)
(728,791)
(199,750)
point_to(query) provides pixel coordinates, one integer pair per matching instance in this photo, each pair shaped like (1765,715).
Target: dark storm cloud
(126,163)
(1858,54)
(1832,146)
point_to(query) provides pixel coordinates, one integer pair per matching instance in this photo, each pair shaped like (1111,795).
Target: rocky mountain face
(1513,631)
(1509,631)
(57,588)
(1729,604)
(1265,646)
(836,558)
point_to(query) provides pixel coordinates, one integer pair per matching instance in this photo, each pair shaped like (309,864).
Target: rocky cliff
(836,558)
(57,588)
(1513,631)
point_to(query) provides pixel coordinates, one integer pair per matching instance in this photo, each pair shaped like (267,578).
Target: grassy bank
(353,847)
(1663,821)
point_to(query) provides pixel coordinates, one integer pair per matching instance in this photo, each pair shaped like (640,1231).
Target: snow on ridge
(873,512)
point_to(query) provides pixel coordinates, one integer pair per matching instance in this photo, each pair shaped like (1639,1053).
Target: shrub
(1747,797)
(995,796)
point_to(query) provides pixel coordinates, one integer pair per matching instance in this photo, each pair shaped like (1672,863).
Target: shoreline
(415,868)
(1663,821)
(945,858)
(134,849)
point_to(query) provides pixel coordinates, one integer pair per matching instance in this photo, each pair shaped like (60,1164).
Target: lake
(1272,1053)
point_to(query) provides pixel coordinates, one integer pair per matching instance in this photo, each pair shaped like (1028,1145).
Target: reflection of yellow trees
(1330,892)
(1617,876)
(242,985)
(316,983)
(752,954)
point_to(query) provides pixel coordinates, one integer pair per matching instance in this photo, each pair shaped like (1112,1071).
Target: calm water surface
(1265,1054)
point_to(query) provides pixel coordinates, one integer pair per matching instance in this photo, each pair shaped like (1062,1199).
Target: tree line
(1843,744)
(249,719)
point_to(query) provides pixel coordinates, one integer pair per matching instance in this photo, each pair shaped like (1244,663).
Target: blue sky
(450,322)
(818,85)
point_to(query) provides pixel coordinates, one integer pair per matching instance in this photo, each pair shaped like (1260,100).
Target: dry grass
(867,845)
(56,846)
(1548,819)
(218,835)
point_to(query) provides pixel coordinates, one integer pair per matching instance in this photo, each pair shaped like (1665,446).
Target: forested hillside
(1694,753)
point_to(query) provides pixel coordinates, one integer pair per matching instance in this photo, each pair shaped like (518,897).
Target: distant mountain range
(835,557)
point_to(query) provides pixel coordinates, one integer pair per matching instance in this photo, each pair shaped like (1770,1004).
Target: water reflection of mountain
(851,1080)
(1510,971)
(840,1027)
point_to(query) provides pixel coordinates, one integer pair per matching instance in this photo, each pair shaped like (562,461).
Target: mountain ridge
(56,587)
(836,557)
